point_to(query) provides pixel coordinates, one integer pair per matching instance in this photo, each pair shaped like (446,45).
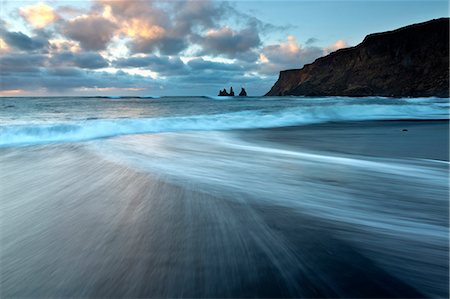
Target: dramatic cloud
(147,24)
(171,27)
(92,32)
(123,45)
(39,15)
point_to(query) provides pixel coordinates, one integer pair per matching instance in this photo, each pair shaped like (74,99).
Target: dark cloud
(65,72)
(90,60)
(172,65)
(229,43)
(64,79)
(201,64)
(23,42)
(18,63)
(311,40)
(86,60)
(165,65)
(166,45)
(93,32)
(198,14)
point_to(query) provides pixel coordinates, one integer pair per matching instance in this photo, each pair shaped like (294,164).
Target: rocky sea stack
(412,61)
(224,93)
(243,92)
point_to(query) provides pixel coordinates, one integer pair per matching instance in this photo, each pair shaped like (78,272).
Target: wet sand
(76,225)
(427,139)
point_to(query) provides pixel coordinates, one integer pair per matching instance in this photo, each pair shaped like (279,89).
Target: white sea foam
(34,133)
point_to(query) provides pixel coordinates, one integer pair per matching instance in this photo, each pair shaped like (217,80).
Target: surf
(38,132)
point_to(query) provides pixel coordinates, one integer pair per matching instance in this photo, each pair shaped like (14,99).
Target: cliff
(412,61)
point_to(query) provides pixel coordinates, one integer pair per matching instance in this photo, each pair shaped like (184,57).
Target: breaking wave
(37,133)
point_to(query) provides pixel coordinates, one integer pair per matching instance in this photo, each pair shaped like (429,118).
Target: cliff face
(410,61)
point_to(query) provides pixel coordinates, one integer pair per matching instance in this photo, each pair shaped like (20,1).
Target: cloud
(61,45)
(225,41)
(38,15)
(92,32)
(290,54)
(146,38)
(339,44)
(286,55)
(202,14)
(311,40)
(85,60)
(90,60)
(11,63)
(65,72)
(4,48)
(172,65)
(169,28)
(164,65)
(21,41)
(63,79)
(166,45)
(146,24)
(201,64)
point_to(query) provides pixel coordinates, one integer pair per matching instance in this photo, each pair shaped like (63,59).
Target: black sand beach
(427,139)
(77,225)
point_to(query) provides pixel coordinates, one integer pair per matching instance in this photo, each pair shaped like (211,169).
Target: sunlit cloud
(59,45)
(263,58)
(137,28)
(286,55)
(38,15)
(339,44)
(3,46)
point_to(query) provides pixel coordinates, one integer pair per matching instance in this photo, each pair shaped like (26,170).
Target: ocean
(224,197)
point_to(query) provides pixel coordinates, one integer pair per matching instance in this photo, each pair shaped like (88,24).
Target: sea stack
(231,92)
(412,61)
(223,93)
(243,93)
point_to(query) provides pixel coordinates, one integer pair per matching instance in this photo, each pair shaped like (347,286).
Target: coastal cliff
(412,61)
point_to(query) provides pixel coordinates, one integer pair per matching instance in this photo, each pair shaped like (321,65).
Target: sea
(220,197)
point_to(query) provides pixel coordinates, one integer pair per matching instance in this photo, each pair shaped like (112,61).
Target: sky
(157,48)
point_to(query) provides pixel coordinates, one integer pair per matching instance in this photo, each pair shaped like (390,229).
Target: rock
(243,93)
(223,93)
(231,92)
(412,61)
(405,130)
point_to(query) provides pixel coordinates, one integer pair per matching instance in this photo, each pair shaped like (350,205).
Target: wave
(11,135)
